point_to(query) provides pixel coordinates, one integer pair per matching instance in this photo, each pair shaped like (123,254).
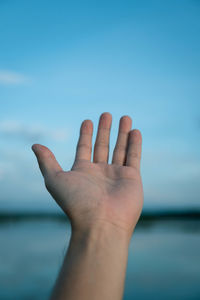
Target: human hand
(97,193)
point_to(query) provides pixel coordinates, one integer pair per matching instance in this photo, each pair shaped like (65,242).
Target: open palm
(95,192)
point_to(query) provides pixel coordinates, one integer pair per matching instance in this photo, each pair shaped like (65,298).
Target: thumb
(46,160)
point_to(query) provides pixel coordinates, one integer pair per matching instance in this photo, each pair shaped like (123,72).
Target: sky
(65,61)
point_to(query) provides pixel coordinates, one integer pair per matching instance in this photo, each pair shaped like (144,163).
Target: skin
(103,202)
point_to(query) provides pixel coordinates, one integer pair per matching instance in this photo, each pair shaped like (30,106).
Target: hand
(94,193)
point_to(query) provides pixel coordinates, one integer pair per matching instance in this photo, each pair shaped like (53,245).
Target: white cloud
(21,131)
(12,78)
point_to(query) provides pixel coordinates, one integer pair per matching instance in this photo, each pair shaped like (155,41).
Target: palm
(98,191)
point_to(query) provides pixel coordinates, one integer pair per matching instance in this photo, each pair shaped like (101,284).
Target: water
(163,263)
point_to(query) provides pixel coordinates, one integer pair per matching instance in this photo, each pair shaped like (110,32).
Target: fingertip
(34,147)
(87,126)
(125,123)
(106,115)
(105,120)
(126,117)
(136,136)
(37,147)
(137,133)
(42,151)
(46,160)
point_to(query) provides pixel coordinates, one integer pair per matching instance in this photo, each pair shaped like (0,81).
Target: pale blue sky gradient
(65,61)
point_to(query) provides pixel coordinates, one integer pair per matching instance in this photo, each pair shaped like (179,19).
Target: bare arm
(103,202)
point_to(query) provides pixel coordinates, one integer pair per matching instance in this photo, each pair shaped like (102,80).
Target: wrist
(101,232)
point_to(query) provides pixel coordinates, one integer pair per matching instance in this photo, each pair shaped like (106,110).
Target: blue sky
(65,61)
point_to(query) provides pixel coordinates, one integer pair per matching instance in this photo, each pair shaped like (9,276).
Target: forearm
(94,266)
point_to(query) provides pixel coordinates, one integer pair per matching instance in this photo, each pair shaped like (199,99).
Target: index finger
(84,146)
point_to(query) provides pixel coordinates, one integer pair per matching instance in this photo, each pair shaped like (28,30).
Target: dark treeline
(146,215)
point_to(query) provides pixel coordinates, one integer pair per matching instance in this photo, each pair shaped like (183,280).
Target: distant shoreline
(146,215)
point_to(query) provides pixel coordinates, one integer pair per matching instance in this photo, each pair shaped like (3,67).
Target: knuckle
(102,144)
(120,148)
(46,154)
(134,155)
(104,130)
(117,161)
(136,172)
(85,146)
